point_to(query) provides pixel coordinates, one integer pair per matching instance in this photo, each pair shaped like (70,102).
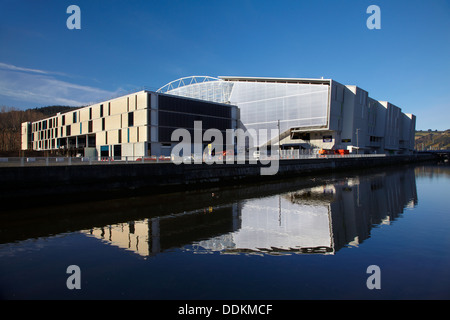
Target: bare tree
(11,121)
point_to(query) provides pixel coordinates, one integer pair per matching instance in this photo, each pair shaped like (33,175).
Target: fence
(64,161)
(312,154)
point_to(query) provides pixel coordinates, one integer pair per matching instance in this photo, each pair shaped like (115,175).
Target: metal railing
(68,161)
(313,154)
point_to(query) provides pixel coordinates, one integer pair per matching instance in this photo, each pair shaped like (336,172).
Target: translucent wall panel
(216,91)
(295,105)
(274,223)
(263,104)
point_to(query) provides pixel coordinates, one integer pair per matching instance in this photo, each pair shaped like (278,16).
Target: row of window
(120,136)
(166,103)
(169,103)
(53,122)
(62,131)
(173,112)
(45,124)
(50,142)
(66,130)
(46,144)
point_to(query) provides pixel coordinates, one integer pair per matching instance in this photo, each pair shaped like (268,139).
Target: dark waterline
(310,238)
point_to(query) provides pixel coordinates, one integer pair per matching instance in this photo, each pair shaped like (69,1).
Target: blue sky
(126,45)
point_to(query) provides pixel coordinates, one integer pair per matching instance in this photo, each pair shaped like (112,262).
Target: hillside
(432,140)
(53,110)
(11,124)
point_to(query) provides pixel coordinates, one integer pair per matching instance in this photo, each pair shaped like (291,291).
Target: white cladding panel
(216,91)
(295,105)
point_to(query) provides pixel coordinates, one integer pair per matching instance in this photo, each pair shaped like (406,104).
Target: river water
(381,234)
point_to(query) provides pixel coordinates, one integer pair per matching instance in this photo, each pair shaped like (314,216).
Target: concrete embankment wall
(50,184)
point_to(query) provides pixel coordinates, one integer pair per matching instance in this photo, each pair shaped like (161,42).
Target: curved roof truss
(185,82)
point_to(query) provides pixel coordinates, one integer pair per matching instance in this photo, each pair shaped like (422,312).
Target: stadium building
(307,114)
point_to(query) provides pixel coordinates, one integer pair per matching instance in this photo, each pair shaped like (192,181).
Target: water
(309,238)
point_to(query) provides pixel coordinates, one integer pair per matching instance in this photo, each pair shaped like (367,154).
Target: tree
(11,121)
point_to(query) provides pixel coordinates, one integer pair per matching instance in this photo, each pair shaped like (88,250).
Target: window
(120,136)
(101,110)
(109,108)
(90,126)
(63,121)
(90,113)
(74,117)
(149,101)
(130,119)
(68,131)
(103,124)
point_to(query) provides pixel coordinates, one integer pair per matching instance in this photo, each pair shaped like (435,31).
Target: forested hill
(53,110)
(11,123)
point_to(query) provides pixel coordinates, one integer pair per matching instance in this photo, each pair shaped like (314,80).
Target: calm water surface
(309,238)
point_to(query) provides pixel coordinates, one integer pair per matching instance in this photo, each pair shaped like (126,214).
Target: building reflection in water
(154,235)
(321,219)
